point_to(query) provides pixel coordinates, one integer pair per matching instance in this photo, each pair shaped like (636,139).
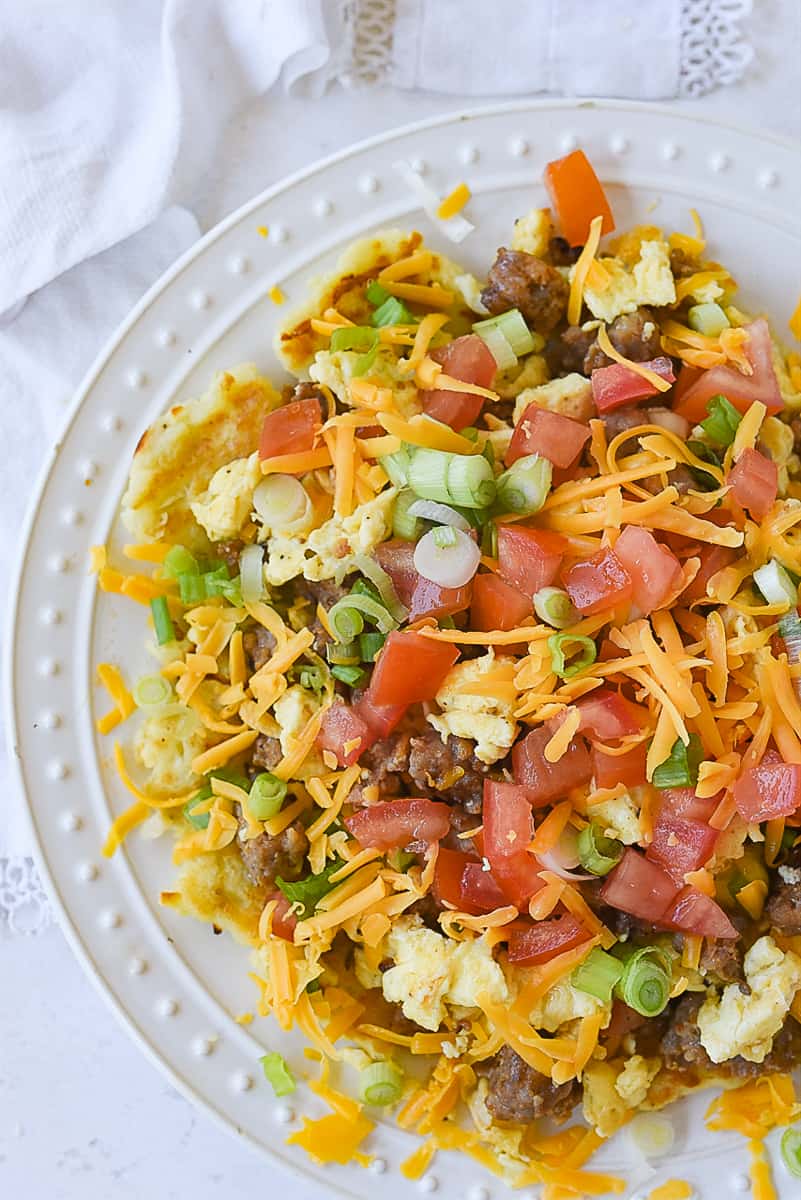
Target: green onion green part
(357,607)
(277,1074)
(460,479)
(392,312)
(376,294)
(524,487)
(350,675)
(791,1151)
(580,650)
(404,525)
(162,621)
(513,327)
(266,796)
(723,421)
(179,561)
(645,982)
(192,587)
(553,606)
(598,853)
(708,319)
(363,587)
(151,691)
(353,337)
(343,654)
(680,768)
(312,678)
(381,1084)
(369,646)
(397,467)
(444,536)
(598,975)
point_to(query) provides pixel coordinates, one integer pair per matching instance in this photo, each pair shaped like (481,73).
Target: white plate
(174,984)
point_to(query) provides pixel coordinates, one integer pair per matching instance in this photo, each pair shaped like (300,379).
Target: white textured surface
(81,1111)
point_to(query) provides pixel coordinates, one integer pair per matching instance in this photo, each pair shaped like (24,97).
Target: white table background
(82,1112)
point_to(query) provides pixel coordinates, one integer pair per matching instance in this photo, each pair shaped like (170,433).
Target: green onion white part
(553,606)
(464,480)
(708,319)
(645,982)
(514,329)
(152,691)
(405,524)
(776,585)
(381,1084)
(251,572)
(652,1134)
(524,487)
(281,503)
(451,565)
(266,796)
(383,584)
(443,514)
(498,346)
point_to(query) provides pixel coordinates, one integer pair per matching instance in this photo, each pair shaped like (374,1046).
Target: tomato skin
(497,605)
(448,872)
(379,719)
(544,781)
(479,889)
(541,941)
(654,570)
(577,195)
(693,912)
(680,845)
(284,919)
(431,600)
(606,715)
(396,557)
(610,769)
(410,668)
(422,597)
(598,583)
(341,725)
(683,802)
(290,429)
(549,434)
(713,559)
(470,359)
(529,559)
(395,823)
(769,790)
(639,887)
(508,828)
(754,481)
(741,390)
(617,385)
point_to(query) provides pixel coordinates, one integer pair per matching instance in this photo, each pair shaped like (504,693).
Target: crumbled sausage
(519,280)
(266,754)
(635,335)
(449,768)
(259,645)
(562,254)
(783,909)
(228,552)
(519,1093)
(269,857)
(682,1052)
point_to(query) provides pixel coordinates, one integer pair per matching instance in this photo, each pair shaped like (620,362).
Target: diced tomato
(624,1020)
(616,385)
(470,359)
(767,791)
(395,823)
(608,651)
(577,195)
(409,668)
(529,559)
(693,912)
(654,570)
(290,429)
(610,769)
(606,715)
(284,919)
(447,885)
(431,600)
(713,559)
(497,605)
(508,825)
(541,941)
(598,583)
(396,557)
(518,877)
(680,845)
(683,802)
(345,733)
(380,719)
(638,887)
(549,434)
(479,889)
(543,781)
(754,482)
(740,390)
(422,597)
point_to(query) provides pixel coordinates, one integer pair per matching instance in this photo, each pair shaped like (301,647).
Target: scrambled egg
(225,505)
(563,1003)
(333,547)
(529,372)
(571,396)
(620,817)
(533,232)
(292,712)
(335,370)
(603,1106)
(181,451)
(489,722)
(431,971)
(706,293)
(166,744)
(650,281)
(776,437)
(215,889)
(736,1023)
(635,1079)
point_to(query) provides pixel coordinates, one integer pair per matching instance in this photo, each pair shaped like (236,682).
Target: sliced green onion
(278,1074)
(350,675)
(354,337)
(598,853)
(305,894)
(192,587)
(470,432)
(378,577)
(499,348)
(178,561)
(399,860)
(680,768)
(230,775)
(404,524)
(312,678)
(524,487)
(397,467)
(152,691)
(451,565)
(232,590)
(652,1134)
(381,1084)
(266,796)
(443,514)
(376,613)
(554,606)
(443,536)
(790,633)
(369,646)
(162,621)
(775,584)
(282,503)
(723,421)
(343,654)
(791,1150)
(564,645)
(363,587)
(702,450)
(216,581)
(708,319)
(365,361)
(346,621)
(392,312)
(645,982)
(513,327)
(489,540)
(597,975)
(377,294)
(466,480)
(251,566)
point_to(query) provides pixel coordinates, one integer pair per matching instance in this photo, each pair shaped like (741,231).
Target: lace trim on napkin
(714,50)
(24,907)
